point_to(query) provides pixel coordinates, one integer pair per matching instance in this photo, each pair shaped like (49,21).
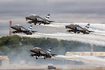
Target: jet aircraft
(21,29)
(77,28)
(37,19)
(38,52)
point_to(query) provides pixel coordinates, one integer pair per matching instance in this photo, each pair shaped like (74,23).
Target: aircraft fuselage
(21,29)
(39,52)
(77,29)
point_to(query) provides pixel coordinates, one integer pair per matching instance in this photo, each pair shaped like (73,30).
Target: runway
(58,67)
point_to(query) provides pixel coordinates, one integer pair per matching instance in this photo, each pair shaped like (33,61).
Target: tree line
(15,46)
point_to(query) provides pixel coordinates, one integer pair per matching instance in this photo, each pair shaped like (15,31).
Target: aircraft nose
(31,50)
(66,27)
(11,26)
(26,18)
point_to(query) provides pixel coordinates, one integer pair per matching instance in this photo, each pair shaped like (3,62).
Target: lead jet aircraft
(77,29)
(37,19)
(21,29)
(38,52)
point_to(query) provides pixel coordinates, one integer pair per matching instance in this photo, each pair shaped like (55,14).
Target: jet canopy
(17,24)
(34,15)
(36,48)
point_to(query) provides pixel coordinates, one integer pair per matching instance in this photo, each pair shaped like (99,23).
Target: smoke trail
(99,29)
(86,59)
(95,26)
(92,39)
(97,37)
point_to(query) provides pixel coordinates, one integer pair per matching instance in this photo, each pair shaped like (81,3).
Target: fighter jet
(21,29)
(38,52)
(77,28)
(36,19)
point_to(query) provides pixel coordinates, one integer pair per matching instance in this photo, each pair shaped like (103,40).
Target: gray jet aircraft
(21,29)
(37,19)
(38,52)
(77,29)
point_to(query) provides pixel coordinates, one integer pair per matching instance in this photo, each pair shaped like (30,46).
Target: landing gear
(34,23)
(83,32)
(44,57)
(39,23)
(78,32)
(14,32)
(29,34)
(36,57)
(75,31)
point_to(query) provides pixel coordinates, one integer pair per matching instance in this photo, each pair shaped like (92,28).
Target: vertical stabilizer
(48,16)
(30,28)
(49,50)
(87,26)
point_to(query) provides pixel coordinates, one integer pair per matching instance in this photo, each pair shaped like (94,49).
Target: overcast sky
(62,11)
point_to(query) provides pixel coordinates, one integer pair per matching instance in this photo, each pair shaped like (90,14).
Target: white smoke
(97,37)
(91,60)
(92,39)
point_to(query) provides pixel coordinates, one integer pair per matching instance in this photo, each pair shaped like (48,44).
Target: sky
(61,11)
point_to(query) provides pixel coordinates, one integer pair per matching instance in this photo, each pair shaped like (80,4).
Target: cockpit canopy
(36,48)
(34,15)
(17,24)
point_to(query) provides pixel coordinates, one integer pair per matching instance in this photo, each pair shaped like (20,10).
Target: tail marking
(30,28)
(49,50)
(48,16)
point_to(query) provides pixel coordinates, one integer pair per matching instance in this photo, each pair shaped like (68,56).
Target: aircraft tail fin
(49,50)
(48,16)
(87,26)
(30,28)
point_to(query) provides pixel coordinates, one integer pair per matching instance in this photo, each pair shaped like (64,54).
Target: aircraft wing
(43,53)
(34,31)
(50,21)
(91,31)
(45,19)
(16,32)
(49,54)
(23,29)
(54,54)
(42,18)
(19,31)
(83,29)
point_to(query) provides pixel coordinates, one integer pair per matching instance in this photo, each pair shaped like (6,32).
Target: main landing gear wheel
(44,57)
(36,57)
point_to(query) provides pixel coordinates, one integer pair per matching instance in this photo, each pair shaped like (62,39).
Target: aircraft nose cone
(31,50)
(66,26)
(26,18)
(11,26)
